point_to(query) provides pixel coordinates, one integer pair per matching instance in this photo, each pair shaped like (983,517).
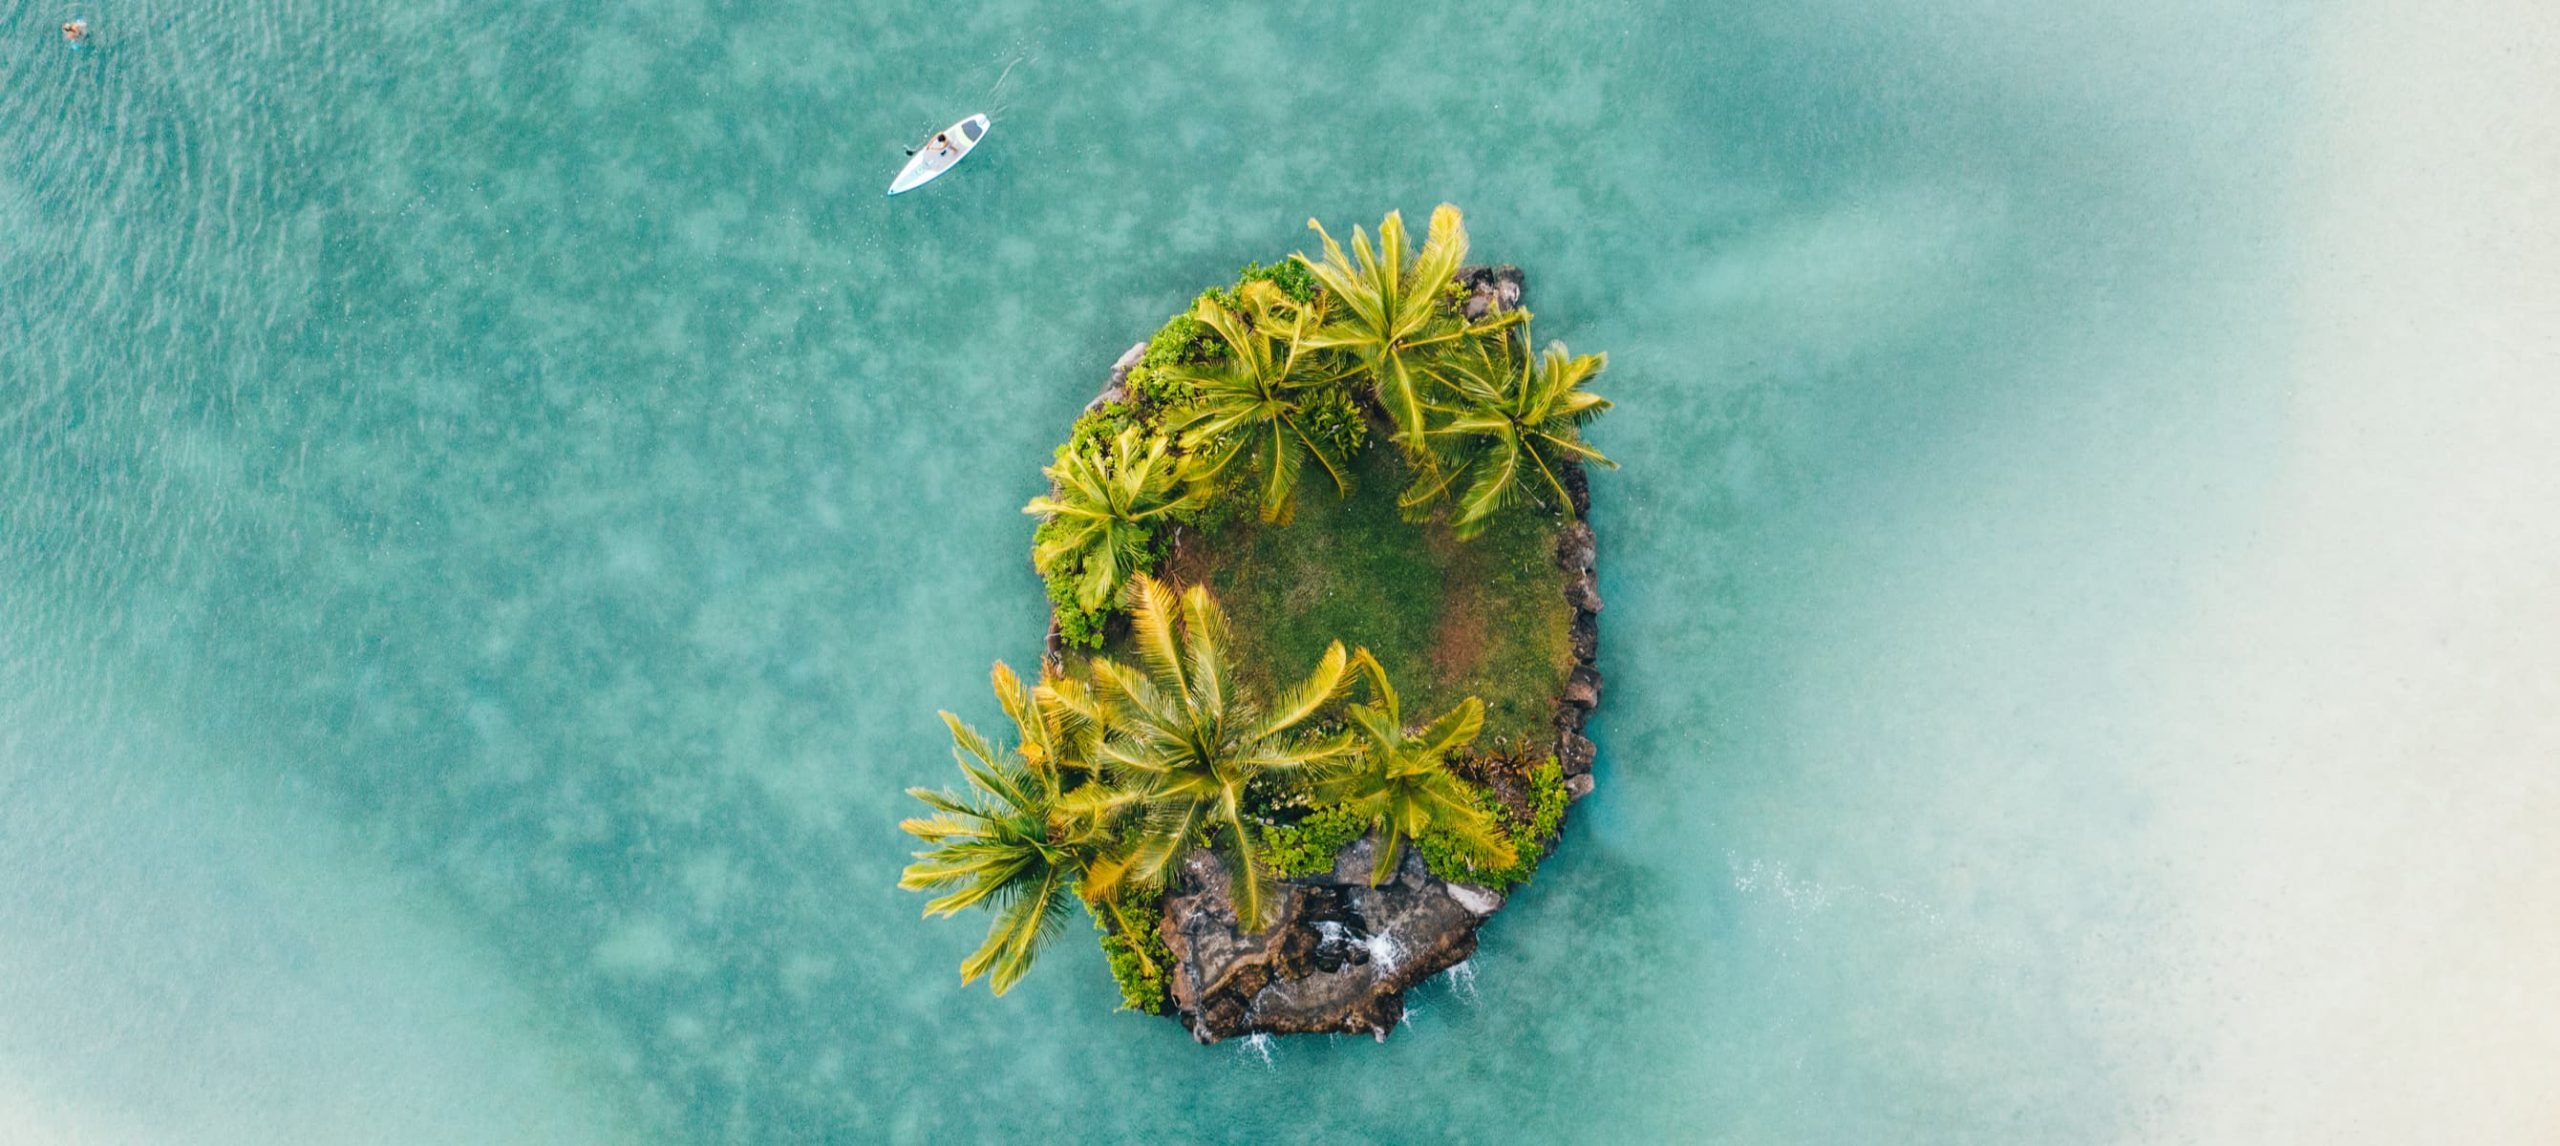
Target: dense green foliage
(1105,503)
(1133,944)
(1078,627)
(1183,341)
(1095,428)
(1160,389)
(1308,846)
(1182,733)
(1547,798)
(1457,859)
(1290,275)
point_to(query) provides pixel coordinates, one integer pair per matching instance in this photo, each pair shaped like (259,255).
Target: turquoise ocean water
(491,497)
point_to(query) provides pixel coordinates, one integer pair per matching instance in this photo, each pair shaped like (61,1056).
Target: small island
(1321,651)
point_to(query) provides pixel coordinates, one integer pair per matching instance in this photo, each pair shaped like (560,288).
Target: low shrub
(1530,836)
(1096,427)
(1184,341)
(1309,846)
(1139,958)
(1077,628)
(1291,276)
(1335,418)
(1453,297)
(1155,388)
(1234,500)
(1547,799)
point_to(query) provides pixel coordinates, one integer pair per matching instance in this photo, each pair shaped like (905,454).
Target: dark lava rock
(1578,554)
(1582,689)
(1338,958)
(1577,551)
(1584,592)
(1490,290)
(1575,751)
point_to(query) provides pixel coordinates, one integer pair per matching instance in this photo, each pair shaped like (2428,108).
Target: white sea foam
(1462,980)
(1257,1047)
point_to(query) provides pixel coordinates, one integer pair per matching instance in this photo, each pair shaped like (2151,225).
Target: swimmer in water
(75,33)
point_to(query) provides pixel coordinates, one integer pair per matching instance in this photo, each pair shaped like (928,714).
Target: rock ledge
(1338,959)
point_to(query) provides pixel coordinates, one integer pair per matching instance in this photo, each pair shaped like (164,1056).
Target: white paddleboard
(930,162)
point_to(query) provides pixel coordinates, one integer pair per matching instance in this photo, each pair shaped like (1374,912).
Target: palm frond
(1453,730)
(1303,699)
(1390,850)
(1204,650)
(1251,882)
(1152,609)
(1382,692)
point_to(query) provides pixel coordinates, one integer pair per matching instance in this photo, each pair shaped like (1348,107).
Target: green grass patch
(1448,619)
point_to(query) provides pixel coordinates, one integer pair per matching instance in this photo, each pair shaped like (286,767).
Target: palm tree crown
(1187,741)
(1401,782)
(1104,507)
(1513,419)
(1391,310)
(1000,846)
(1254,400)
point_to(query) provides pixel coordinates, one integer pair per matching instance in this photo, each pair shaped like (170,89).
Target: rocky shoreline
(1341,954)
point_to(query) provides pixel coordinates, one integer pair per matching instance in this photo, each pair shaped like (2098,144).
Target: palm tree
(1255,399)
(1514,418)
(1105,503)
(1002,846)
(1188,741)
(1391,309)
(1401,782)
